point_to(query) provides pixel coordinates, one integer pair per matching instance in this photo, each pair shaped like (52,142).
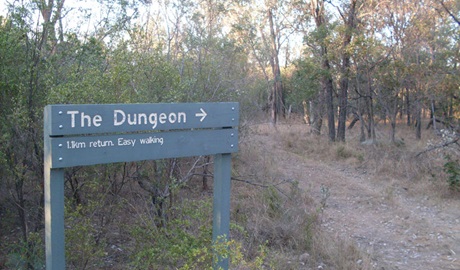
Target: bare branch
(451,14)
(455,141)
(276,186)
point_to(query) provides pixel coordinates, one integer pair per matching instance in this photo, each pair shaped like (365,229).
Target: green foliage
(304,82)
(343,152)
(185,241)
(273,201)
(326,33)
(27,255)
(225,249)
(20,147)
(84,246)
(177,243)
(452,168)
(188,59)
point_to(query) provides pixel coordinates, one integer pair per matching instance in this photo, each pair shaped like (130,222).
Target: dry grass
(421,174)
(289,227)
(285,219)
(384,160)
(340,253)
(280,215)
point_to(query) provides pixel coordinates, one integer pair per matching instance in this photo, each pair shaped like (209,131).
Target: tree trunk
(317,10)
(392,116)
(343,103)
(317,115)
(354,121)
(306,113)
(328,89)
(205,186)
(433,117)
(408,107)
(418,122)
(370,108)
(393,129)
(371,119)
(362,137)
(277,102)
(344,82)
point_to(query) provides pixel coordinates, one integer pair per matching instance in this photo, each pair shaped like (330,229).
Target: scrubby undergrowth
(112,223)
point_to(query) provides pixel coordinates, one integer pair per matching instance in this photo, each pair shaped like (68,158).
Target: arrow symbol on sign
(202,114)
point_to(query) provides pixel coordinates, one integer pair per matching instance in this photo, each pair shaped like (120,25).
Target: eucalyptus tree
(444,44)
(14,119)
(265,31)
(349,18)
(216,58)
(193,35)
(420,44)
(419,55)
(41,62)
(26,46)
(279,27)
(370,53)
(330,41)
(36,44)
(384,37)
(322,38)
(399,37)
(246,34)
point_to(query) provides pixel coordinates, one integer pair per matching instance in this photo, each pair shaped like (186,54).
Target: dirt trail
(398,229)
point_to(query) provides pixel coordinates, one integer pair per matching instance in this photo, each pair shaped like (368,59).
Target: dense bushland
(358,63)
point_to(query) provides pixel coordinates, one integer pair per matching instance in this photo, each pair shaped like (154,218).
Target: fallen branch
(439,146)
(255,183)
(263,185)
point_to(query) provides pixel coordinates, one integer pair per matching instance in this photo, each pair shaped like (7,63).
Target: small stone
(304,257)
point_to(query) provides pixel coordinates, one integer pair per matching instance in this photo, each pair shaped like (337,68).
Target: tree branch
(455,141)
(263,185)
(452,15)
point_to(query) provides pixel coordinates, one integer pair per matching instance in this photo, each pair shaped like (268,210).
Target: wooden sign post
(81,135)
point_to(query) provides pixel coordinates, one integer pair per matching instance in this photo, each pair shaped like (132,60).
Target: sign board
(80,135)
(111,118)
(89,150)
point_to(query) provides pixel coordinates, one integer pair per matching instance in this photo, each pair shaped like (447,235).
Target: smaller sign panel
(72,151)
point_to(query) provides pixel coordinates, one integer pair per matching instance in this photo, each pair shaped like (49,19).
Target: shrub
(452,168)
(28,255)
(185,241)
(84,244)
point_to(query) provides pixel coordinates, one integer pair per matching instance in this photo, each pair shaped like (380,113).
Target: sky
(2,7)
(74,21)
(71,19)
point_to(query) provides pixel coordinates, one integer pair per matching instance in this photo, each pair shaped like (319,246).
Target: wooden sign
(111,118)
(90,150)
(80,135)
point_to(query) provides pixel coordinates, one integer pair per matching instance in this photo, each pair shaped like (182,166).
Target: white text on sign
(120,118)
